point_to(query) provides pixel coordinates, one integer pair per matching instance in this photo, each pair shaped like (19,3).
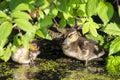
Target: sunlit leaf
(85,27)
(25,25)
(3,15)
(21,15)
(62,5)
(46,22)
(62,23)
(115,46)
(112,29)
(113,63)
(43,34)
(90,26)
(67,15)
(91,7)
(71,21)
(105,11)
(20,5)
(7,53)
(26,39)
(17,40)
(5,30)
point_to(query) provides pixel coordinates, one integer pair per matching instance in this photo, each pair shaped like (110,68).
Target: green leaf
(62,23)
(43,34)
(46,22)
(105,11)
(115,46)
(17,40)
(7,53)
(27,38)
(93,28)
(67,15)
(20,4)
(21,15)
(112,29)
(71,21)
(5,30)
(25,25)
(62,5)
(113,63)
(91,7)
(40,34)
(90,26)
(3,15)
(85,27)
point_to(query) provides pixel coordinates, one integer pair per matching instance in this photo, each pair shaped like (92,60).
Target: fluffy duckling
(81,48)
(25,56)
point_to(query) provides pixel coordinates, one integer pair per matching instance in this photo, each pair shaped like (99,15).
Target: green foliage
(113,65)
(114,46)
(105,11)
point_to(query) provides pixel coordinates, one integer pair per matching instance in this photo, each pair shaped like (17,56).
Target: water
(55,69)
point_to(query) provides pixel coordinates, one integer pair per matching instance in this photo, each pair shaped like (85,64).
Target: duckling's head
(71,37)
(33,50)
(33,47)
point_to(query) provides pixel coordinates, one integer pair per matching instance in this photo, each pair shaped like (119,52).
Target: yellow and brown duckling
(25,56)
(81,48)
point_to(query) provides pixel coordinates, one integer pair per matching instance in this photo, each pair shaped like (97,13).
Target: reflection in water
(24,72)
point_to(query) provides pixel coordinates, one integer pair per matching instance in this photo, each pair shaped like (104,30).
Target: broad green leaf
(93,31)
(54,12)
(3,42)
(40,34)
(67,15)
(115,46)
(26,39)
(62,23)
(43,4)
(1,51)
(43,34)
(21,15)
(25,25)
(71,21)
(93,28)
(5,30)
(17,40)
(46,22)
(105,11)
(7,53)
(3,15)
(85,27)
(112,29)
(113,63)
(20,4)
(90,26)
(91,7)
(62,5)
(119,10)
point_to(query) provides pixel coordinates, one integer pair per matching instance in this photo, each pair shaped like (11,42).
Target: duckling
(25,56)
(81,48)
